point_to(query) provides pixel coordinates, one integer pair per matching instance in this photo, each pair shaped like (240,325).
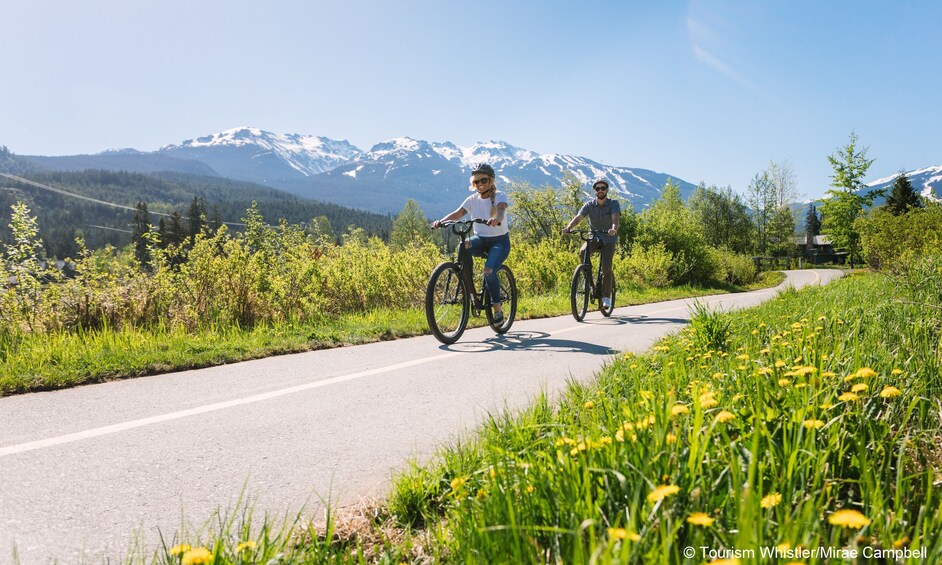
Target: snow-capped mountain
(927,182)
(436,174)
(260,156)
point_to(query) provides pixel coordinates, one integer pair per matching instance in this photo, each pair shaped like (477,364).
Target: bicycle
(583,289)
(450,296)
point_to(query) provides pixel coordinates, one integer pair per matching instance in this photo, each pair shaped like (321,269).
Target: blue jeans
(497,249)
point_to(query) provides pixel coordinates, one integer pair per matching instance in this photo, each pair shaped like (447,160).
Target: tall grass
(822,401)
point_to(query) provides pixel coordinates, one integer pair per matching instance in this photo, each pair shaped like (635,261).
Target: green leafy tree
(410,227)
(903,197)
(845,202)
(723,216)
(24,258)
(770,195)
(668,222)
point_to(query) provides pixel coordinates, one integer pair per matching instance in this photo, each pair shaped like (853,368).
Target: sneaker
(606,303)
(498,317)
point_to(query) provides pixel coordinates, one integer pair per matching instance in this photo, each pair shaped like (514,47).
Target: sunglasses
(602,188)
(482,181)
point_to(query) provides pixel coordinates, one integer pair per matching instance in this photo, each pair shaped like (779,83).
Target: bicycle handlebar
(589,235)
(461,227)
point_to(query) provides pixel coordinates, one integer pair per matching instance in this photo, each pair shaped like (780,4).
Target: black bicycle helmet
(484,169)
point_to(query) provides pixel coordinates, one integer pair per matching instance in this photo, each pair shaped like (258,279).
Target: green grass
(58,360)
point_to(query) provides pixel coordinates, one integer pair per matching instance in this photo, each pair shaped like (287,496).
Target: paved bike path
(83,467)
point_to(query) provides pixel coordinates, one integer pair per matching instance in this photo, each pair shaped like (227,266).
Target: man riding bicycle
(604,214)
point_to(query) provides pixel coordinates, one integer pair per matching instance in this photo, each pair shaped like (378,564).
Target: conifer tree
(140,228)
(903,197)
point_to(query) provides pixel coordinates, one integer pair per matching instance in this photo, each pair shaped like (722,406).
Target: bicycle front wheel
(579,292)
(508,298)
(447,303)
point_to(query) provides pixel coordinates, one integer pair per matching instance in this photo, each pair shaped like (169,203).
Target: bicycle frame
(592,285)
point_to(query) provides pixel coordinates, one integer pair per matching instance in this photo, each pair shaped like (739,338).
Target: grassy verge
(51,361)
(808,424)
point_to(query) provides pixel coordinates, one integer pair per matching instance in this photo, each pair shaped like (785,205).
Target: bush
(646,266)
(886,238)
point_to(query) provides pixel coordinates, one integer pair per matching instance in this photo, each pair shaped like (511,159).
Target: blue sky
(707,91)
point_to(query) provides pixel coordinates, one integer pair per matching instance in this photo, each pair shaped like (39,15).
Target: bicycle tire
(608,311)
(579,292)
(508,295)
(447,303)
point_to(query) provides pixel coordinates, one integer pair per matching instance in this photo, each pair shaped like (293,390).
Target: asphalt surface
(86,473)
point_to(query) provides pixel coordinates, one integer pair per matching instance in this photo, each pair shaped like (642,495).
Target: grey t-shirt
(600,217)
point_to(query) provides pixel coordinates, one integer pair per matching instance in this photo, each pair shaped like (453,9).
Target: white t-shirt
(481,208)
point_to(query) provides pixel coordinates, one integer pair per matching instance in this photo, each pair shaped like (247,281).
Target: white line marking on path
(129,425)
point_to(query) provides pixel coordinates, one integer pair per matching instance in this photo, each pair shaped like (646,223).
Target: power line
(89,199)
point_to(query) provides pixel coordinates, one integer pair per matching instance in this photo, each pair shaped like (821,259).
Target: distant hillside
(129,160)
(61,218)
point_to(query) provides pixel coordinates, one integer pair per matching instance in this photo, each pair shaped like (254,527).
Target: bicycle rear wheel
(608,311)
(579,292)
(508,298)
(447,303)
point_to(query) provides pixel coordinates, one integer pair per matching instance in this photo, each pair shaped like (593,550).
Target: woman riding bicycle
(604,214)
(491,239)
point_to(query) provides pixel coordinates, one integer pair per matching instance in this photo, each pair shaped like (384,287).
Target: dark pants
(608,253)
(496,249)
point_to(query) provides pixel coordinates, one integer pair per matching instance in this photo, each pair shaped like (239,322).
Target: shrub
(647,266)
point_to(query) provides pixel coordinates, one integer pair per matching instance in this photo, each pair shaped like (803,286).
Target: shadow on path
(529,341)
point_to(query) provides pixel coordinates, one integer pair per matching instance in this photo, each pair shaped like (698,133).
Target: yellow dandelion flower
(890,392)
(865,372)
(896,372)
(771,500)
(901,542)
(633,366)
(246,545)
(805,371)
(662,492)
(634,536)
(617,533)
(848,519)
(797,360)
(670,439)
(458,483)
(725,416)
(589,404)
(197,556)
(678,409)
(178,549)
(859,387)
(816,424)
(849,378)
(707,402)
(765,351)
(762,325)
(493,473)
(779,364)
(784,382)
(737,396)
(531,489)
(699,519)
(755,332)
(827,406)
(620,436)
(742,357)
(796,326)
(828,374)
(848,397)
